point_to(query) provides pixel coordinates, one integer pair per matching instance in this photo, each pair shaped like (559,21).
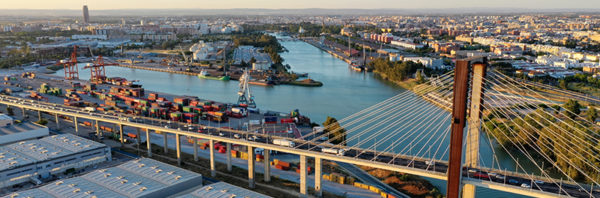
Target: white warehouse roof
(19,132)
(137,178)
(51,147)
(223,190)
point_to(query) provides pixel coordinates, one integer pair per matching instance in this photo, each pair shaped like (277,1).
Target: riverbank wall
(159,70)
(330,51)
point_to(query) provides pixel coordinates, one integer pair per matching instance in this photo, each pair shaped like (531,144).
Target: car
(524,185)
(492,174)
(513,181)
(539,182)
(481,176)
(236,136)
(221,134)
(166,126)
(500,176)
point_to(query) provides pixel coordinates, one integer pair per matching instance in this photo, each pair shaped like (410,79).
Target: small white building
(408,45)
(434,63)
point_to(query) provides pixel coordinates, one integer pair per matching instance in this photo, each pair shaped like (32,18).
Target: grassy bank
(407,84)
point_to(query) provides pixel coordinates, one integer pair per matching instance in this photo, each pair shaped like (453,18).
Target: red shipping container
(287,120)
(222,150)
(284,164)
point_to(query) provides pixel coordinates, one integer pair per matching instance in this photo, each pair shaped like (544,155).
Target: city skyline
(287,4)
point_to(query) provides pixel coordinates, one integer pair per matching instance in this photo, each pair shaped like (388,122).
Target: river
(343,93)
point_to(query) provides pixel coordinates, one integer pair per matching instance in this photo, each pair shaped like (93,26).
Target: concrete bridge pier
(76,124)
(121,138)
(303,175)
(213,171)
(229,168)
(318,173)
(195,148)
(57,121)
(251,173)
(39,115)
(267,160)
(148,144)
(139,137)
(178,148)
(22,112)
(98,130)
(165,144)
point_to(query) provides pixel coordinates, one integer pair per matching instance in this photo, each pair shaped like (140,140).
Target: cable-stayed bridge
(437,130)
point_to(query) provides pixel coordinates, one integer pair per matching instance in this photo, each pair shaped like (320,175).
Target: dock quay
(159,70)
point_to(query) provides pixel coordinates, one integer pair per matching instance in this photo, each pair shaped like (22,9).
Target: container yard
(119,95)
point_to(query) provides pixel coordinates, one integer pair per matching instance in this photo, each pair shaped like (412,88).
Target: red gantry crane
(98,72)
(70,66)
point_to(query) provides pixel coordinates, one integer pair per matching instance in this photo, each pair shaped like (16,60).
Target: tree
(592,114)
(562,84)
(573,108)
(337,134)
(420,78)
(556,108)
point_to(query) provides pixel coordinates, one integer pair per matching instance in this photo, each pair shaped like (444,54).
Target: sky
(297,4)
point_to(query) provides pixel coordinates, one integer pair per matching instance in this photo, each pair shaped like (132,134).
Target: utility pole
(459,116)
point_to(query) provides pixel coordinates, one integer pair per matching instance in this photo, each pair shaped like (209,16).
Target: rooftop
(223,190)
(18,128)
(136,178)
(51,147)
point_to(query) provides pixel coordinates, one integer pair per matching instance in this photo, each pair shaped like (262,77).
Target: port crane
(187,62)
(70,66)
(245,96)
(97,69)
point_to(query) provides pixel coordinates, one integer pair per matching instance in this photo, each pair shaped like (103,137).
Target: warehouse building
(28,161)
(10,133)
(137,178)
(223,190)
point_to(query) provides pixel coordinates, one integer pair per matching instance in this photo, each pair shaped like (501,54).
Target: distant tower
(86,14)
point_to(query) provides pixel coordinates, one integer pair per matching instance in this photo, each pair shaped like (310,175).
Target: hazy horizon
(290,4)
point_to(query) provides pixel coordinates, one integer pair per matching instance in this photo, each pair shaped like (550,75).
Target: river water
(343,93)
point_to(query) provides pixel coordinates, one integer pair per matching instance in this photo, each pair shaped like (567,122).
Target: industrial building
(31,160)
(246,53)
(136,178)
(223,190)
(10,133)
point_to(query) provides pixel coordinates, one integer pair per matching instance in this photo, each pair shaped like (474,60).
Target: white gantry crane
(245,96)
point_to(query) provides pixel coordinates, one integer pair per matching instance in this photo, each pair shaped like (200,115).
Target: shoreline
(410,84)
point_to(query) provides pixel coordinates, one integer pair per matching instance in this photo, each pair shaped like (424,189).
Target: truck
(90,109)
(339,152)
(282,142)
